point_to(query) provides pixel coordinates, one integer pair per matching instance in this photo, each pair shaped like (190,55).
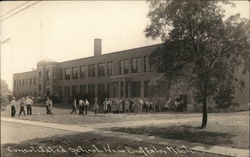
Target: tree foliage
(199,47)
(5,92)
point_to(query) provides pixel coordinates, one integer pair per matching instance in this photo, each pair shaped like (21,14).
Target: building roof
(46,60)
(133,50)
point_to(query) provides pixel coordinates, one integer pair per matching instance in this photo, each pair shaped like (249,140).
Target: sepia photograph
(125,78)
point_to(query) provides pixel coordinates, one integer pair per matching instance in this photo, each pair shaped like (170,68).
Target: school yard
(120,131)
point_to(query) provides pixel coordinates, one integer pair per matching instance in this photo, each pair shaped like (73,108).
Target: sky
(65,30)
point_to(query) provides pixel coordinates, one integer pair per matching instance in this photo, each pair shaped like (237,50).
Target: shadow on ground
(183,132)
(87,141)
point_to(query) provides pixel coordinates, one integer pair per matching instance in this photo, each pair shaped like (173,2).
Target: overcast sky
(65,30)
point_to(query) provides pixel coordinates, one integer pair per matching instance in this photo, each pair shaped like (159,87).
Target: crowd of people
(109,105)
(128,105)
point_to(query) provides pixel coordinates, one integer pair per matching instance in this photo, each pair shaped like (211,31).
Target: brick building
(119,74)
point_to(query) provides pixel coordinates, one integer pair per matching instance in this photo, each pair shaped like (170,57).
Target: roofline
(122,51)
(25,72)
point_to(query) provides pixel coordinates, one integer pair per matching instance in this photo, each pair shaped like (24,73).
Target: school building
(119,74)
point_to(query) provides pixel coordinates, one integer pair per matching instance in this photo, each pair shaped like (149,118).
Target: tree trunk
(204,109)
(204,117)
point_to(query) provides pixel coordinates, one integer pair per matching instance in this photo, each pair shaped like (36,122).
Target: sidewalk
(151,139)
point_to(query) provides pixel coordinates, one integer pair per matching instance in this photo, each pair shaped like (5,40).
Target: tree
(199,47)
(5,93)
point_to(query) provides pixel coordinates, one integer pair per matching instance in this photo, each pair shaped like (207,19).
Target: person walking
(13,107)
(73,107)
(86,105)
(22,104)
(29,103)
(95,107)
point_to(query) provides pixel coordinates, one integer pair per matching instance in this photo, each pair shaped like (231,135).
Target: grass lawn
(86,144)
(229,131)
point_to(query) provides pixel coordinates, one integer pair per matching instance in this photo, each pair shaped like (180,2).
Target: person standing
(22,104)
(50,107)
(105,106)
(86,105)
(140,105)
(81,107)
(47,106)
(74,107)
(13,107)
(131,104)
(95,107)
(29,103)
(109,105)
(126,105)
(176,104)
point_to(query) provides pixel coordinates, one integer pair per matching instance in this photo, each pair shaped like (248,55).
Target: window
(60,74)
(60,92)
(147,66)
(92,70)
(30,81)
(100,91)
(15,83)
(48,75)
(146,88)
(114,89)
(83,70)
(121,67)
(91,90)
(101,69)
(23,82)
(136,89)
(19,82)
(66,91)
(74,91)
(26,81)
(34,81)
(82,90)
(110,68)
(124,66)
(67,74)
(127,89)
(121,89)
(108,90)
(135,65)
(40,73)
(75,73)
(40,87)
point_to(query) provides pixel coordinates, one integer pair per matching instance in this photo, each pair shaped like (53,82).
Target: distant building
(119,74)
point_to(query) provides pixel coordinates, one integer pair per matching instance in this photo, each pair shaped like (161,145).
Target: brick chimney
(97,47)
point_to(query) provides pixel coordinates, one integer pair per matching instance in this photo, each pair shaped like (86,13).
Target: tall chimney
(97,47)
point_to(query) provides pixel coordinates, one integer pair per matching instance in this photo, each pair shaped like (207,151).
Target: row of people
(27,101)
